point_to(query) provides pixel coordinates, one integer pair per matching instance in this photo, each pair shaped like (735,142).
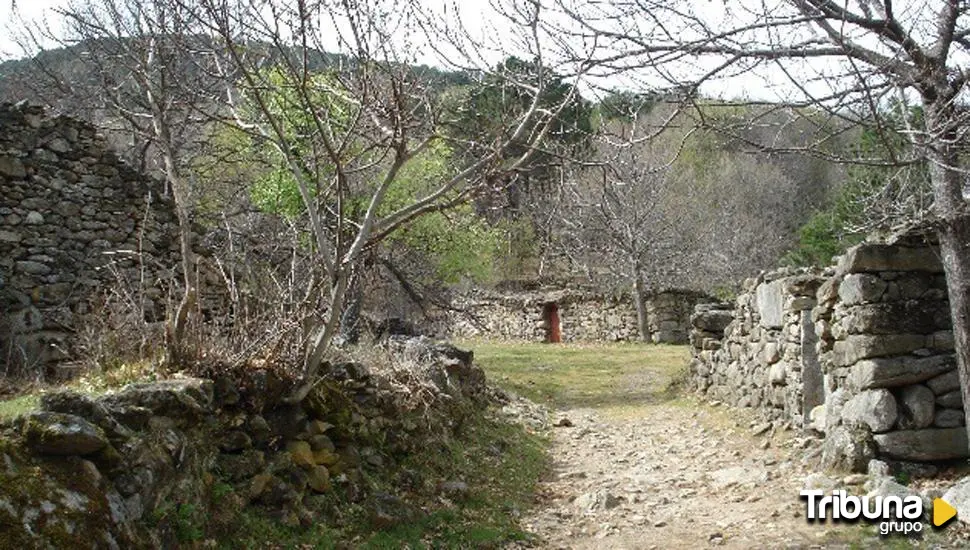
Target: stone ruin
(580,315)
(74,220)
(862,352)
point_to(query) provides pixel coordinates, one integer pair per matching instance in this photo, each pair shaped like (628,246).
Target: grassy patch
(585,375)
(17,406)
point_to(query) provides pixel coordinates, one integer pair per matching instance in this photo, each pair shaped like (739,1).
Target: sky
(766,82)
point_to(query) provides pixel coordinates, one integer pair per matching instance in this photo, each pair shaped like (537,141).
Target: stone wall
(140,467)
(862,352)
(583,315)
(74,220)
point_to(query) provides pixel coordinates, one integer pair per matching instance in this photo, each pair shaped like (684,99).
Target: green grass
(584,375)
(17,406)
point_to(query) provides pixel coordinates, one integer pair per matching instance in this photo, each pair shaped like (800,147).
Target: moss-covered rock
(62,434)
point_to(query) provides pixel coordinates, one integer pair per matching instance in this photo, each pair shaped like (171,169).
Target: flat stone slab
(899,371)
(924,445)
(870,258)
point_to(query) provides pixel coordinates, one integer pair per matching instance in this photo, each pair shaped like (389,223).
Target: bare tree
(846,58)
(344,131)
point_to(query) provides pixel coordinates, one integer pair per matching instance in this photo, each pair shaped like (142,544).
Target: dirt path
(673,476)
(681,473)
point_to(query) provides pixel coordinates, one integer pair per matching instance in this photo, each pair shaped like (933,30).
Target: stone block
(870,258)
(860,288)
(924,445)
(898,371)
(944,383)
(856,347)
(876,409)
(770,304)
(917,407)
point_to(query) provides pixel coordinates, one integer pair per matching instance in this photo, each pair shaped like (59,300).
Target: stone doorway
(550,319)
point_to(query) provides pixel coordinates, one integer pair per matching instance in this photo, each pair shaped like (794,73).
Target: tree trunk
(954,232)
(640,299)
(350,318)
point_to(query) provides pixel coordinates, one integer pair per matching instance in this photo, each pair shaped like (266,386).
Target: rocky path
(676,475)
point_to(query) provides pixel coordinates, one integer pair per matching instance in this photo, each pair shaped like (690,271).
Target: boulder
(714,321)
(876,409)
(958,496)
(71,402)
(917,407)
(848,448)
(62,434)
(178,398)
(898,371)
(924,445)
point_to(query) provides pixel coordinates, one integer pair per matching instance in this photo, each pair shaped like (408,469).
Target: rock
(818,481)
(951,400)
(301,453)
(597,501)
(738,475)
(817,418)
(453,489)
(833,407)
(71,402)
(878,468)
(886,487)
(856,347)
(321,442)
(899,371)
(714,321)
(235,441)
(258,429)
(869,257)
(770,302)
(319,427)
(564,422)
(777,375)
(182,398)
(916,406)
(861,288)
(924,445)
(225,392)
(949,418)
(855,479)
(318,478)
(236,467)
(34,218)
(958,496)
(62,434)
(944,383)
(761,428)
(875,408)
(848,448)
(12,167)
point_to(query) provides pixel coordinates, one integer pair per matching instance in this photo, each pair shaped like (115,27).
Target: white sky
(766,83)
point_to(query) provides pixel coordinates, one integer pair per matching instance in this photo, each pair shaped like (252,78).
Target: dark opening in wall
(550,319)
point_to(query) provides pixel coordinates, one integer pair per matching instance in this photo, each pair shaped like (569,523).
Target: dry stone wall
(74,219)
(862,352)
(583,316)
(136,468)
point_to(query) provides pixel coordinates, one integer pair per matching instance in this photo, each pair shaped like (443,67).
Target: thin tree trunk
(639,297)
(954,218)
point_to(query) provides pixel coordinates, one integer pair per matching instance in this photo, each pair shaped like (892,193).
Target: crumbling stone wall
(136,468)
(584,316)
(73,219)
(862,352)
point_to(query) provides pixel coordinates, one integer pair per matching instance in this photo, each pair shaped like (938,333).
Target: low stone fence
(137,468)
(862,352)
(579,315)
